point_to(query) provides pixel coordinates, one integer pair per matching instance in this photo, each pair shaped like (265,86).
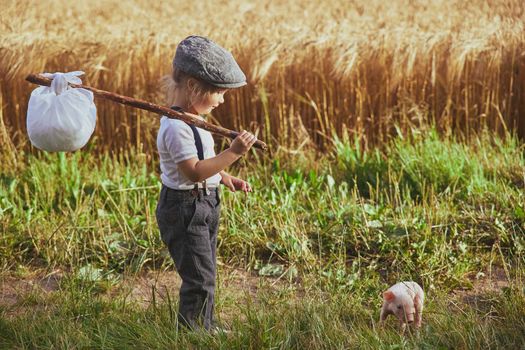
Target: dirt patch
(484,285)
(164,285)
(15,291)
(145,287)
(234,284)
(12,289)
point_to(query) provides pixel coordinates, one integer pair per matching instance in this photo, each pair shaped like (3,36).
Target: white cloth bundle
(61,118)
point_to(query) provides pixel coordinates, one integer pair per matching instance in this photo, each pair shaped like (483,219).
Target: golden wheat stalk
(363,66)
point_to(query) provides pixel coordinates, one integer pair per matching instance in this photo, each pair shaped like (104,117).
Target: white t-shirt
(175,143)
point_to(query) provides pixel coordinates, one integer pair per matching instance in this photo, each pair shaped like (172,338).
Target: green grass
(76,319)
(336,228)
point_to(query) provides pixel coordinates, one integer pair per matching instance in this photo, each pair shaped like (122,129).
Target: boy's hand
(242,143)
(236,184)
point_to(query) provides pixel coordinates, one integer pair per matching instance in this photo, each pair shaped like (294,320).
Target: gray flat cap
(203,59)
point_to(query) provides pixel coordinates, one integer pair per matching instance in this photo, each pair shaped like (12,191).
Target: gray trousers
(188,221)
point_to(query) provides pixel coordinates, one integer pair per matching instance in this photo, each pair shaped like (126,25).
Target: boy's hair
(179,80)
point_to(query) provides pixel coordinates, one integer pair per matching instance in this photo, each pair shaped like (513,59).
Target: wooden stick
(168,112)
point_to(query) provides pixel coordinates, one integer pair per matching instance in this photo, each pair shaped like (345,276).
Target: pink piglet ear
(388,295)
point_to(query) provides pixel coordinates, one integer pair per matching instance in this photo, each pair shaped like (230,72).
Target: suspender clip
(205,188)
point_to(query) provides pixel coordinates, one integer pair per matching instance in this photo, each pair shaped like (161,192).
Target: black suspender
(198,141)
(200,149)
(196,135)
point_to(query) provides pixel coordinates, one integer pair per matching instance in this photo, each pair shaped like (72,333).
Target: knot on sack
(61,80)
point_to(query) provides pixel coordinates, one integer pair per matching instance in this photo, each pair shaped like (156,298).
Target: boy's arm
(198,170)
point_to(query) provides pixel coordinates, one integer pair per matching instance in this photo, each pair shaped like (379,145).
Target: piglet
(405,301)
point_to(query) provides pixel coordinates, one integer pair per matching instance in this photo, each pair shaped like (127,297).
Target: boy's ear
(388,295)
(191,83)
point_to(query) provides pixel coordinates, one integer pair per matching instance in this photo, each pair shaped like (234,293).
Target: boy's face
(209,102)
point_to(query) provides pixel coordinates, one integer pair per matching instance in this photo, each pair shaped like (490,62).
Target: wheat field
(313,68)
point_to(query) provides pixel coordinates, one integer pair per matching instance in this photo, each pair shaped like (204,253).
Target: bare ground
(142,289)
(234,284)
